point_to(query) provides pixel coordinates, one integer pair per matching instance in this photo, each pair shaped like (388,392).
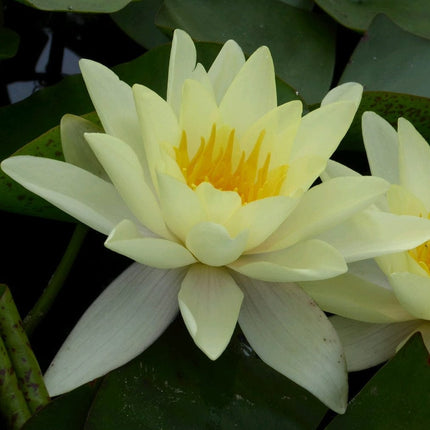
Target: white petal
(305,261)
(75,148)
(291,334)
(125,319)
(366,345)
(77,192)
(335,169)
(210,301)
(372,233)
(349,92)
(225,67)
(325,206)
(382,147)
(181,65)
(126,239)
(261,217)
(252,92)
(123,167)
(413,292)
(352,297)
(113,100)
(402,202)
(212,244)
(414,161)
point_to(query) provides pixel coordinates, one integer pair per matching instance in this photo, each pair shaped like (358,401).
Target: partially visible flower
(386,300)
(208,191)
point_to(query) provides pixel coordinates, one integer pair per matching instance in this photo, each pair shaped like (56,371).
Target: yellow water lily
(209,193)
(381,302)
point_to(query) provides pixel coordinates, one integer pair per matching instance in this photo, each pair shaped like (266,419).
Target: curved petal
(126,173)
(366,345)
(181,64)
(125,319)
(225,67)
(77,192)
(373,233)
(209,301)
(180,205)
(382,147)
(402,202)
(413,292)
(252,92)
(347,92)
(291,334)
(75,148)
(113,100)
(305,261)
(335,169)
(352,297)
(324,206)
(126,239)
(212,244)
(414,161)
(199,112)
(261,217)
(321,130)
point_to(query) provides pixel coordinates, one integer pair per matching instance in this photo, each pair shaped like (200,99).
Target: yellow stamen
(213,163)
(421,254)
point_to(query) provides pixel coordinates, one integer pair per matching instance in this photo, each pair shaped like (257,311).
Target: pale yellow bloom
(384,301)
(208,192)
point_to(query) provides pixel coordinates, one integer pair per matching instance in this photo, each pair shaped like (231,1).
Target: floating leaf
(396,398)
(413,16)
(100,6)
(301,42)
(390,59)
(9,41)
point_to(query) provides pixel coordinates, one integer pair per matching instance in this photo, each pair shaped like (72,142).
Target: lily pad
(396,398)
(302,43)
(390,59)
(100,6)
(9,41)
(413,16)
(173,385)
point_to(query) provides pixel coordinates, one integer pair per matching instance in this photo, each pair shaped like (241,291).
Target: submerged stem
(42,306)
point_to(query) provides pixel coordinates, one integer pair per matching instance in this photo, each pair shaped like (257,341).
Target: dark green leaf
(100,6)
(413,16)
(396,398)
(302,43)
(390,59)
(390,106)
(137,21)
(173,385)
(9,41)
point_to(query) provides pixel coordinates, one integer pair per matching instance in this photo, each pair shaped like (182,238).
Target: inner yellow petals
(213,163)
(421,254)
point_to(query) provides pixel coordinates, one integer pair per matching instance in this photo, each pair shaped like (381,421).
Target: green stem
(42,306)
(12,402)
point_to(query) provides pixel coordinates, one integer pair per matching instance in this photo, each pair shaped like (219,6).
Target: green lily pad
(396,398)
(9,41)
(390,59)
(173,385)
(390,106)
(137,21)
(413,16)
(302,43)
(100,6)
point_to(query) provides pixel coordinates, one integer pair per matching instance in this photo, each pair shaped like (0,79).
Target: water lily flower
(381,302)
(209,193)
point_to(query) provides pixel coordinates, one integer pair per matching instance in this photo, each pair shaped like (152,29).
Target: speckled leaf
(396,398)
(70,96)
(302,43)
(413,16)
(173,385)
(390,59)
(390,106)
(100,6)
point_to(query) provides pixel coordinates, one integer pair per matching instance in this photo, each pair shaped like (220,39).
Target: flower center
(421,254)
(213,163)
